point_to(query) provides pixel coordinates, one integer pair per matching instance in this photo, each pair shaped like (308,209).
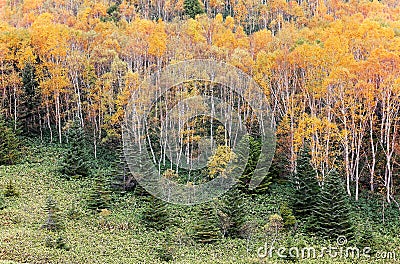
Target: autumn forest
(329,68)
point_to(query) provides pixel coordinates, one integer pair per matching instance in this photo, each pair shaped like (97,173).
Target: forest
(69,70)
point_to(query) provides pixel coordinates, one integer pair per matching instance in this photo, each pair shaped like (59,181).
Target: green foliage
(192,8)
(207,229)
(113,13)
(274,226)
(56,242)
(99,195)
(10,190)
(232,212)
(2,203)
(372,208)
(156,215)
(365,237)
(122,180)
(31,97)
(280,166)
(53,223)
(53,220)
(218,163)
(255,157)
(289,220)
(307,190)
(75,163)
(332,211)
(74,212)
(249,229)
(165,252)
(291,241)
(9,144)
(278,171)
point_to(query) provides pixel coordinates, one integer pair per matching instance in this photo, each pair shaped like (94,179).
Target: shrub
(287,215)
(56,242)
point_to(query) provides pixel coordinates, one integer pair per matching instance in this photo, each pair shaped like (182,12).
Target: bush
(165,253)
(287,215)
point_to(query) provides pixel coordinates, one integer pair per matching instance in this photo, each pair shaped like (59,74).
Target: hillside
(119,236)
(200,131)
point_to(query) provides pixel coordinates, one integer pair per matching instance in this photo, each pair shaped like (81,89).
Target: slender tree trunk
(15,107)
(373,150)
(58,114)
(48,120)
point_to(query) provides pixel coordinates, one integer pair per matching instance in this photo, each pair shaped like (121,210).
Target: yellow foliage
(217,164)
(105,212)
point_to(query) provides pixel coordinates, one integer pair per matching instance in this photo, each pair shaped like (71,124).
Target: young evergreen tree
(254,157)
(56,242)
(287,215)
(2,202)
(31,97)
(53,224)
(99,195)
(306,190)
(53,221)
(9,144)
(10,190)
(365,236)
(207,229)
(333,210)
(114,12)
(75,163)
(278,171)
(122,179)
(156,214)
(233,212)
(192,8)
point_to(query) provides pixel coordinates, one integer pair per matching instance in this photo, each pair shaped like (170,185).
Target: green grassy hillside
(118,236)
